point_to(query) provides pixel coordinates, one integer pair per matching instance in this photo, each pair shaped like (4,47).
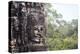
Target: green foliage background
(64,36)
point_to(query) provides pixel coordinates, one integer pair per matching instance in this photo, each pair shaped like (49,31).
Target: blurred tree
(61,34)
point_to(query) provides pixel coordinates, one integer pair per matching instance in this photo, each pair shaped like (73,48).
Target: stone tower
(27,29)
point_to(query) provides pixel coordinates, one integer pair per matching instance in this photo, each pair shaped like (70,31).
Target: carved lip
(36,39)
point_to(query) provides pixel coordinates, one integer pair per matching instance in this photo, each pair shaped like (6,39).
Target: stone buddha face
(36,24)
(38,33)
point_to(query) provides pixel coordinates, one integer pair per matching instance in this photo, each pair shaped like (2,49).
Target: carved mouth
(37,40)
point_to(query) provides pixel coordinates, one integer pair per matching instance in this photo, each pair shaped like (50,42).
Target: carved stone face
(35,22)
(38,33)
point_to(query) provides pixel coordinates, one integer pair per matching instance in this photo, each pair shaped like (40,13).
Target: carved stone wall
(27,30)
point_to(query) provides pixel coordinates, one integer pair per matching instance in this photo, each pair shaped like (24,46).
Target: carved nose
(35,31)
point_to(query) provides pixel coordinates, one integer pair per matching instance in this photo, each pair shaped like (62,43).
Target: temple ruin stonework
(27,27)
